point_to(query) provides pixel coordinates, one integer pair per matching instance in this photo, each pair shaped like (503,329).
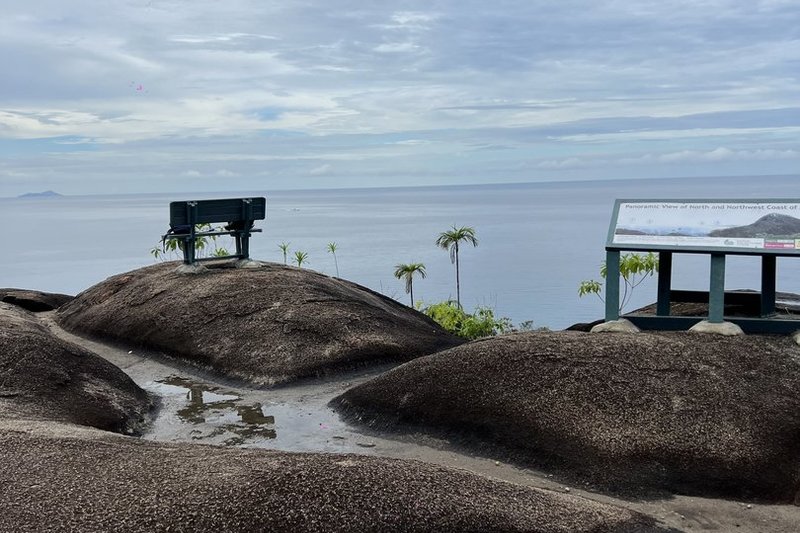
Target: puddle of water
(283,419)
(201,411)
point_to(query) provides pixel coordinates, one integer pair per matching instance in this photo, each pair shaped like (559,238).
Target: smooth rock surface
(727,329)
(35,301)
(266,325)
(699,414)
(615,326)
(44,377)
(58,479)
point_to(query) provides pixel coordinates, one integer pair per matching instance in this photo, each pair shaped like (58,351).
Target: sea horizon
(388,188)
(537,240)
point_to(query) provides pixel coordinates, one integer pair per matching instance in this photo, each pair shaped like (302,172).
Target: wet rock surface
(44,377)
(34,301)
(61,478)
(633,413)
(267,325)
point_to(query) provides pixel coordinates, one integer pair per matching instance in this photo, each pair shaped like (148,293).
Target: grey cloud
(444,91)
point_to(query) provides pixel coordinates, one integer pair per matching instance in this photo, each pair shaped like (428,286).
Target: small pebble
(497,463)
(366,444)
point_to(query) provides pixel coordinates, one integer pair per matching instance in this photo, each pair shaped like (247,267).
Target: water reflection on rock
(218,415)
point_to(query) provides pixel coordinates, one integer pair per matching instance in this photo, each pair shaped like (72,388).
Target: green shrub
(482,323)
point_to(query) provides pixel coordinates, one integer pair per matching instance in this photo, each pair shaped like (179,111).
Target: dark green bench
(239,214)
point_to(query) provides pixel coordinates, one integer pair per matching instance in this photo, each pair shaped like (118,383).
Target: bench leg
(189,251)
(244,248)
(238,240)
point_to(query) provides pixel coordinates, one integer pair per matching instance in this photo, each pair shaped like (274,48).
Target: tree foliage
(406,272)
(300,258)
(634,268)
(332,250)
(284,246)
(449,240)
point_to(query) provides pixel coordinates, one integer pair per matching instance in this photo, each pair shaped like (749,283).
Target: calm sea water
(537,241)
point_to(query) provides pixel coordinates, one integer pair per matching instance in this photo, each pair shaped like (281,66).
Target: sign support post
(664,283)
(716,291)
(768,285)
(612,285)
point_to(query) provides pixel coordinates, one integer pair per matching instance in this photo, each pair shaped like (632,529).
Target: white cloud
(320,170)
(397,47)
(285,89)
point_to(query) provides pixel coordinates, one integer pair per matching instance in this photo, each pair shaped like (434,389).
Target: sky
(224,95)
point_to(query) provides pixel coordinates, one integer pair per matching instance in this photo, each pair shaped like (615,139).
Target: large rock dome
(44,377)
(266,325)
(683,412)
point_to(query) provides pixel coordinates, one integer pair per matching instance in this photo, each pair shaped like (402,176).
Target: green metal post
(664,283)
(612,285)
(716,292)
(768,267)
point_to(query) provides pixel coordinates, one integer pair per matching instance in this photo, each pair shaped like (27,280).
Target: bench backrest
(747,227)
(220,210)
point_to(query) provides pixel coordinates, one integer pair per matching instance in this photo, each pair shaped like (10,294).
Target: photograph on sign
(749,225)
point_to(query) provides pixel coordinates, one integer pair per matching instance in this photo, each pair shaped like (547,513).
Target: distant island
(45,194)
(771,225)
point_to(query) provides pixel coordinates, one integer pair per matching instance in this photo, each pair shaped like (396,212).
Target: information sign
(757,226)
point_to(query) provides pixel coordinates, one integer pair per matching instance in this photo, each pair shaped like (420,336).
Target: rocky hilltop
(771,225)
(60,475)
(266,325)
(679,412)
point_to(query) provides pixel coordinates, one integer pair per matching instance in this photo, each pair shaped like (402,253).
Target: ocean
(536,241)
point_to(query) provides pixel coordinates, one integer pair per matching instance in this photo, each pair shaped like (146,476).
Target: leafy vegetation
(206,246)
(406,272)
(332,250)
(633,268)
(284,246)
(481,323)
(449,240)
(300,258)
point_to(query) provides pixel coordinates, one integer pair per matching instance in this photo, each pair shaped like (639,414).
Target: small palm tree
(284,246)
(300,258)
(407,272)
(449,240)
(332,250)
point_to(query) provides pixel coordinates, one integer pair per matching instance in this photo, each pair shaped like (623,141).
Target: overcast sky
(213,95)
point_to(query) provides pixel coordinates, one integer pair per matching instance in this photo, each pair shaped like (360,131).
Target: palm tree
(284,246)
(449,241)
(407,272)
(300,258)
(332,249)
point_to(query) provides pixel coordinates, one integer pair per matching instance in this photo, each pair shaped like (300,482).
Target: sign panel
(750,226)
